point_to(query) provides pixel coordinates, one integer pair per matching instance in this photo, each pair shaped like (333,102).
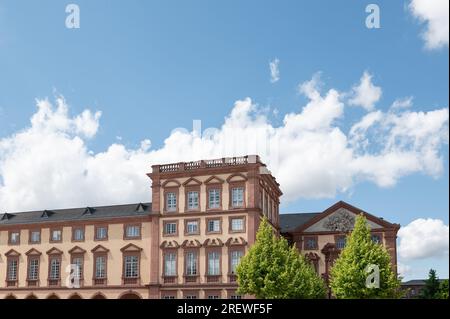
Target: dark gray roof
(417,282)
(75,214)
(289,222)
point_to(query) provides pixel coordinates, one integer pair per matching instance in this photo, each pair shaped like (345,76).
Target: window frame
(188,220)
(125,232)
(9,259)
(233,185)
(127,254)
(83,230)
(187,190)
(176,191)
(171,221)
(30,233)
(232,249)
(31,258)
(207,220)
(216,186)
(96,255)
(305,242)
(14,231)
(211,250)
(167,252)
(244,224)
(96,227)
(196,251)
(52,229)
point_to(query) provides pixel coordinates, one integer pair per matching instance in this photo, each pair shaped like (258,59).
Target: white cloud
(402,103)
(435,13)
(365,94)
(48,164)
(274,71)
(424,238)
(403,269)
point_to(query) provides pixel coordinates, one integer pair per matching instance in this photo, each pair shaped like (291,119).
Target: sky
(337,110)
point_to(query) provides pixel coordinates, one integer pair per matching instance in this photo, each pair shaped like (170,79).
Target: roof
(417,282)
(289,222)
(76,214)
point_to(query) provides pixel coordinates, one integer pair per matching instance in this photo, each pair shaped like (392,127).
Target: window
(237,197)
(237,224)
(213,263)
(191,263)
(310,243)
(55,267)
(101,233)
(35,236)
(132,231)
(235,257)
(376,239)
(192,198)
(78,234)
(131,266)
(170,264)
(13,264)
(341,242)
(168,297)
(100,267)
(213,296)
(192,227)
(77,261)
(171,201)
(55,235)
(33,269)
(214,198)
(14,238)
(191,297)
(170,228)
(213,226)
(235,297)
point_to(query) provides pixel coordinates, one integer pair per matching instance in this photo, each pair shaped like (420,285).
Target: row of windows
(131,262)
(78,234)
(188,295)
(213,225)
(341,241)
(214,199)
(191,260)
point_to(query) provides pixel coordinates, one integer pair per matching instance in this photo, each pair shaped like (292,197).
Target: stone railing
(214,163)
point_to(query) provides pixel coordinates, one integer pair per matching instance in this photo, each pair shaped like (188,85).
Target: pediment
(99,249)
(192,182)
(33,252)
(77,250)
(131,248)
(171,183)
(54,251)
(169,244)
(213,242)
(236,241)
(12,253)
(193,243)
(214,180)
(238,177)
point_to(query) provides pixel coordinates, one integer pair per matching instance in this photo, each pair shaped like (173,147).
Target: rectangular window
(78,264)
(170,228)
(100,267)
(171,201)
(12,269)
(213,225)
(191,264)
(101,233)
(214,198)
(33,269)
(235,297)
(376,239)
(55,268)
(213,263)
(14,238)
(192,227)
(170,264)
(78,234)
(56,235)
(237,197)
(191,297)
(311,243)
(131,266)
(168,297)
(341,242)
(35,236)
(236,256)
(192,197)
(132,231)
(237,224)
(213,297)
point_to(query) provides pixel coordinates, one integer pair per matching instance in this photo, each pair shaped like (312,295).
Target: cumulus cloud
(274,70)
(48,164)
(402,103)
(365,94)
(424,238)
(435,14)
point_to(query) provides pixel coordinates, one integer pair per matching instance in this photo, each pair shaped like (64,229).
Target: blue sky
(152,66)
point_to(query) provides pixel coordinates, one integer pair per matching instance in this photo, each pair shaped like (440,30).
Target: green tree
(350,272)
(272,269)
(443,288)
(431,289)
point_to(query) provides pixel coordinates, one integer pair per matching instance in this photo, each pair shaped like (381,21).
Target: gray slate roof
(289,222)
(76,214)
(417,282)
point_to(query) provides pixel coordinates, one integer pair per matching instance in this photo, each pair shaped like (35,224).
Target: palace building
(185,243)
